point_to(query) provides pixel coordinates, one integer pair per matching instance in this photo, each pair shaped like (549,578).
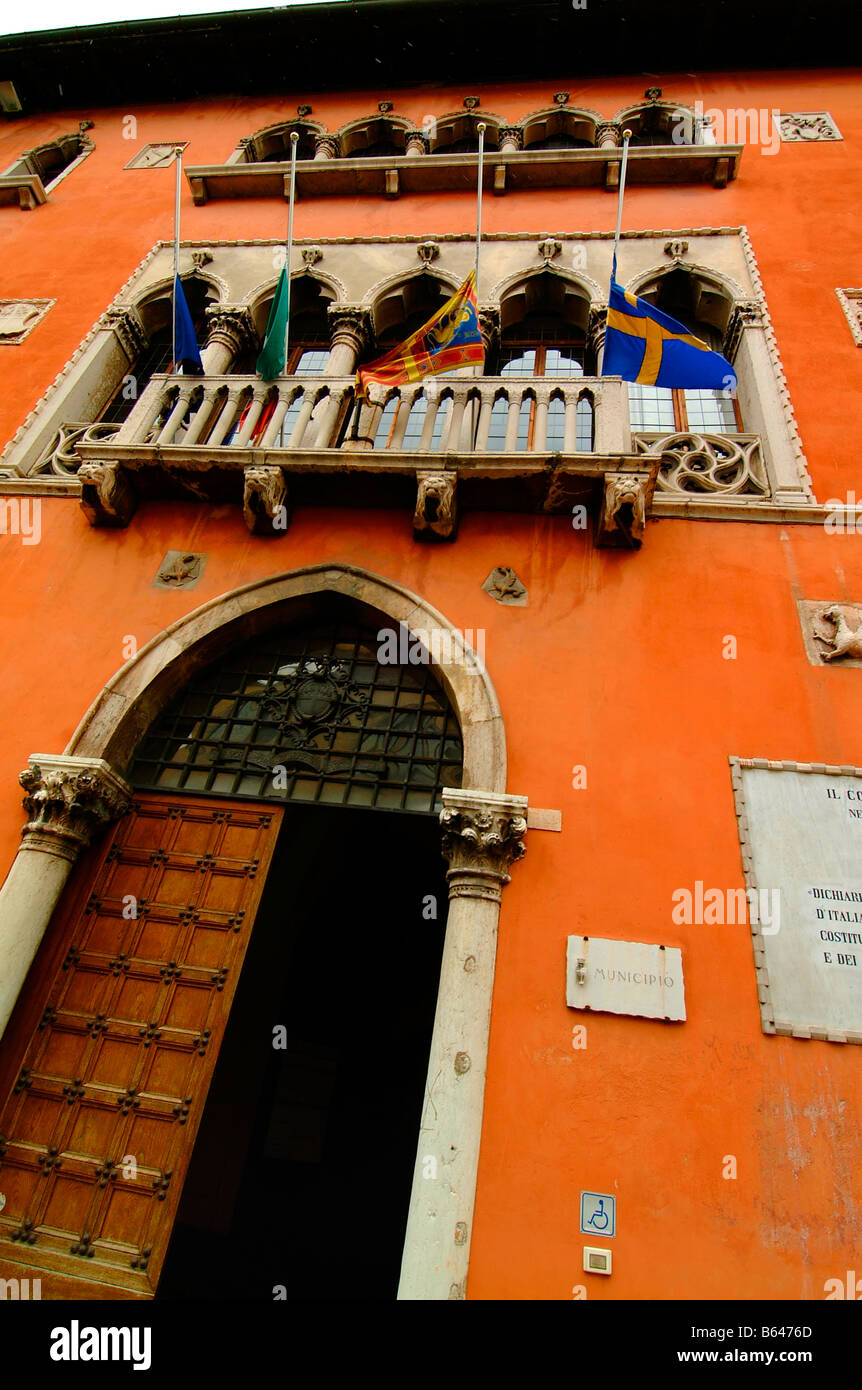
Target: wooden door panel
(106,1064)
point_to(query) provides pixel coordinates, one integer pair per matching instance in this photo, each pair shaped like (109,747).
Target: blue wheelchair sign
(598,1214)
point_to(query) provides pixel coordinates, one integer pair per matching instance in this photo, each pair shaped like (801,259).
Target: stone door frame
(71,796)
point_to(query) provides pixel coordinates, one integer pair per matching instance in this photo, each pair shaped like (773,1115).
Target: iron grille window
(308,715)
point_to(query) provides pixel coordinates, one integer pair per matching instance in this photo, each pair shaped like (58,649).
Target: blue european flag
(188,353)
(642,344)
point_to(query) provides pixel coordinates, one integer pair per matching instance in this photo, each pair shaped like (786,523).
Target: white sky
(61,14)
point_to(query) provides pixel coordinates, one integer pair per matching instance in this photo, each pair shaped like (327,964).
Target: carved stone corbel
(436,514)
(265,502)
(107,495)
(482,838)
(623,515)
(68,800)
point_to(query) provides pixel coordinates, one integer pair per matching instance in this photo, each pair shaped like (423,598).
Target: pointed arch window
(704,312)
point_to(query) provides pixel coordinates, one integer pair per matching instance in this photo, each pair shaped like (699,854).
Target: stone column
(67,800)
(482,834)
(348,325)
(231,330)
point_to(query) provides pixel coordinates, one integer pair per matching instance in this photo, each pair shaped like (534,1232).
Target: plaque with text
(624,977)
(800,829)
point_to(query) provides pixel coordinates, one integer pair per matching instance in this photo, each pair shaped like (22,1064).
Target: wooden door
(107,1060)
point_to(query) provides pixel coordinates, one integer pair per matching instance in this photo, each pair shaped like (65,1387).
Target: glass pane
(524,417)
(518,363)
(440,422)
(584,432)
(415,423)
(562,363)
(556,425)
(387,424)
(651,407)
(499,421)
(312,362)
(709,410)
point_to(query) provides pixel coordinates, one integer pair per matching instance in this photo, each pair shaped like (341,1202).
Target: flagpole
(627,135)
(177,192)
(294,141)
(481,129)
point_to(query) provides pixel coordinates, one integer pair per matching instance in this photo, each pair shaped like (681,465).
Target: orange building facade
(645,579)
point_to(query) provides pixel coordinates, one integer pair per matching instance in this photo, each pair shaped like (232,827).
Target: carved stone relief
(179,570)
(832,632)
(18,317)
(504,585)
(808,125)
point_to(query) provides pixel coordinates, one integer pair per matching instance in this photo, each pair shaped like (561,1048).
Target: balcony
(490,443)
(392,176)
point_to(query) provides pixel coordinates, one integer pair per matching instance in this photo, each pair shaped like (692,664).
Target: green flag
(270,363)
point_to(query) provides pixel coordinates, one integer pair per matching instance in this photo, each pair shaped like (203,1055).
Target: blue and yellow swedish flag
(448,340)
(642,344)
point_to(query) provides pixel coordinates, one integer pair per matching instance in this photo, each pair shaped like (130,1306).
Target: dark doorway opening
(301,1172)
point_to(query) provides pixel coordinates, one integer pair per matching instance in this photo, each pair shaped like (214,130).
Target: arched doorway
(228,837)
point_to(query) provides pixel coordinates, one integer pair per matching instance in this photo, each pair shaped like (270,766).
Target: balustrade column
(178,413)
(67,801)
(226,415)
(251,419)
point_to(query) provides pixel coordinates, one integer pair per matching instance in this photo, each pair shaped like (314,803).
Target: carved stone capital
(489,326)
(265,503)
(125,322)
(68,800)
(348,324)
(596,327)
(746,314)
(482,838)
(417,142)
(107,495)
(326,147)
(436,514)
(623,514)
(511,138)
(609,135)
(232,326)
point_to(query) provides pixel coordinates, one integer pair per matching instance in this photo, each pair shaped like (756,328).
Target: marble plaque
(800,828)
(624,977)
